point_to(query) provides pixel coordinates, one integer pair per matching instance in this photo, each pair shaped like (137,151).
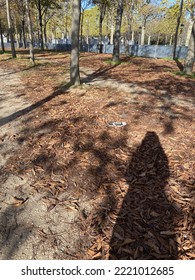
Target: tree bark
(32,58)
(10,29)
(45,32)
(171,40)
(143,35)
(40,24)
(189,61)
(189,33)
(74,62)
(1,34)
(177,29)
(116,50)
(102,15)
(23,33)
(149,39)
(82,20)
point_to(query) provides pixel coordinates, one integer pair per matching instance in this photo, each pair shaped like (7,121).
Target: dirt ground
(75,187)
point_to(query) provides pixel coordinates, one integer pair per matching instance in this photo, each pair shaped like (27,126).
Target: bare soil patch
(104,192)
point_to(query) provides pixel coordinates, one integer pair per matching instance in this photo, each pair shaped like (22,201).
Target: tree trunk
(171,40)
(177,29)
(1,34)
(166,39)
(158,39)
(143,35)
(32,58)
(116,50)
(40,25)
(45,32)
(82,19)
(100,33)
(149,39)
(74,62)
(102,15)
(23,33)
(17,35)
(112,35)
(189,33)
(189,61)
(133,36)
(10,29)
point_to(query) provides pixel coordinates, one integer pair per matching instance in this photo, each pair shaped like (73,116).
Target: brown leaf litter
(138,178)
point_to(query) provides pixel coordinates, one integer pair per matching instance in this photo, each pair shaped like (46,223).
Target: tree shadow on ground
(179,64)
(12,233)
(144,228)
(57,92)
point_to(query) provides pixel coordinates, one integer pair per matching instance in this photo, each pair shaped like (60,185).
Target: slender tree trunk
(17,35)
(74,62)
(112,35)
(171,40)
(133,36)
(45,31)
(166,40)
(177,29)
(189,61)
(129,21)
(149,39)
(158,39)
(40,24)
(102,8)
(32,58)
(100,33)
(116,50)
(82,19)
(10,29)
(45,34)
(1,34)
(24,33)
(143,35)
(189,33)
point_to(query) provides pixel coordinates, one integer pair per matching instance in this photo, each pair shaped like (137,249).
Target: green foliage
(183,74)
(91,22)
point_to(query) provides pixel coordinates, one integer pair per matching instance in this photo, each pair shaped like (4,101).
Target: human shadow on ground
(144,228)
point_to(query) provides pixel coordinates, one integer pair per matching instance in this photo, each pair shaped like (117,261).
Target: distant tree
(177,28)
(1,35)
(39,8)
(102,4)
(42,8)
(84,6)
(189,61)
(117,35)
(19,7)
(146,13)
(32,59)
(74,61)
(10,29)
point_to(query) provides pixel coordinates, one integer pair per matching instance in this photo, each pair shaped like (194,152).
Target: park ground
(75,187)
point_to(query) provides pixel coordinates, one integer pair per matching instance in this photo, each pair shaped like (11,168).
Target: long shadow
(97,73)
(32,107)
(179,64)
(25,69)
(144,228)
(12,233)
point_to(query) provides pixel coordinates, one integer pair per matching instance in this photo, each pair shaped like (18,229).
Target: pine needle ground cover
(128,192)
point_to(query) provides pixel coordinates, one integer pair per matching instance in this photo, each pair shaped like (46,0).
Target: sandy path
(27,229)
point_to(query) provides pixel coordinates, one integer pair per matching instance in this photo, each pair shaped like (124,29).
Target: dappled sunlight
(127,191)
